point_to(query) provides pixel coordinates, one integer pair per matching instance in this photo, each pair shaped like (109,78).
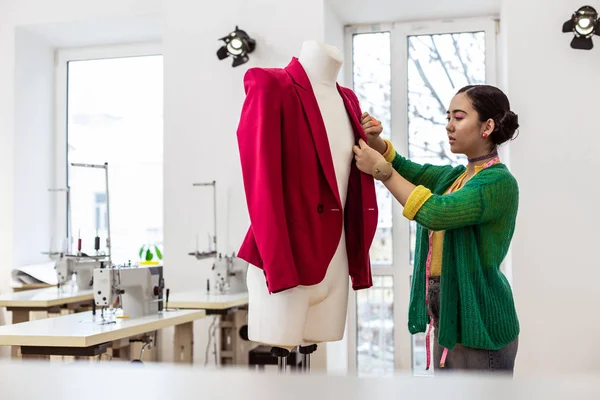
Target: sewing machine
(68,262)
(81,267)
(228,275)
(137,290)
(228,272)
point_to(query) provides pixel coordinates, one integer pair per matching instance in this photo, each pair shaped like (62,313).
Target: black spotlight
(584,24)
(237,45)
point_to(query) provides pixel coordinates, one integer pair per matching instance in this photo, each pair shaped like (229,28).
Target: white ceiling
(106,31)
(370,11)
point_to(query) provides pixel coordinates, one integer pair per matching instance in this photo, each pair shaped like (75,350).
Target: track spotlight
(237,45)
(584,23)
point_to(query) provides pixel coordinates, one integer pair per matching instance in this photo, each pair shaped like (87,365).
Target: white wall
(33,145)
(554,89)
(334,34)
(7,44)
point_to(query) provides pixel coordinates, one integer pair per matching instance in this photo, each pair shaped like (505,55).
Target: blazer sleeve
(259,141)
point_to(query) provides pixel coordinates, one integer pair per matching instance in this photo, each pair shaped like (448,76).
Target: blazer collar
(298,74)
(300,78)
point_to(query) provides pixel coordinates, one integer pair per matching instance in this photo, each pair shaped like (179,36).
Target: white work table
(21,303)
(51,299)
(229,310)
(84,334)
(45,298)
(211,302)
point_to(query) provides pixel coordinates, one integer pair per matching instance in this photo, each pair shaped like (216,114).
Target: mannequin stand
(305,352)
(281,354)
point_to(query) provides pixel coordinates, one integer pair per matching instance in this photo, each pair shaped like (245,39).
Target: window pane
(372,85)
(375,328)
(438,65)
(115,116)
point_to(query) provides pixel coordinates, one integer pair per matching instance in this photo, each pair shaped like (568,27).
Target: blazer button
(320,208)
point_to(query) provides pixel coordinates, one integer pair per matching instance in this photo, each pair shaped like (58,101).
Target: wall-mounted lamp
(584,23)
(237,45)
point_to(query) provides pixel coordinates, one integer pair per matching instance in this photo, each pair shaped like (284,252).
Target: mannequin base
(305,352)
(281,354)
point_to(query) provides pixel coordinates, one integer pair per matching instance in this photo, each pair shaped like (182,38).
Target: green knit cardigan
(476,302)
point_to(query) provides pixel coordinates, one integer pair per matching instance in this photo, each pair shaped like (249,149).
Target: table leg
(183,345)
(18,316)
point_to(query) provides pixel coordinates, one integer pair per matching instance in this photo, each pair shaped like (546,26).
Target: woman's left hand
(372,128)
(366,157)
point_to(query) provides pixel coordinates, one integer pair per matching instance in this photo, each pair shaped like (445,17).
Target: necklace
(492,154)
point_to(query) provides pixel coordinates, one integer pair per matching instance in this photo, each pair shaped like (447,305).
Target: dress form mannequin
(306,315)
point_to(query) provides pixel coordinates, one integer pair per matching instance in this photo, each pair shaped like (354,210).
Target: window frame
(62,57)
(401,268)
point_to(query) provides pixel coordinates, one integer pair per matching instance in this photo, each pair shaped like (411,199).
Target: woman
(465,221)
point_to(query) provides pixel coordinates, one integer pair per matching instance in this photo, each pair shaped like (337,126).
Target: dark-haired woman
(465,222)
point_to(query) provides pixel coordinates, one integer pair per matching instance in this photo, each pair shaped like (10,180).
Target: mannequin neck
(321,62)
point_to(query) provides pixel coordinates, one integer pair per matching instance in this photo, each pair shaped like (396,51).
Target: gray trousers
(468,358)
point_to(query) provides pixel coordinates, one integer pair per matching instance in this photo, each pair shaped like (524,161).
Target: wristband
(382,170)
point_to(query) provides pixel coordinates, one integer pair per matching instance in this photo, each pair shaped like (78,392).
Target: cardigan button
(320,208)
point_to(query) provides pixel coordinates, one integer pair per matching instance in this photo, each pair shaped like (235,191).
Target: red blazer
(290,184)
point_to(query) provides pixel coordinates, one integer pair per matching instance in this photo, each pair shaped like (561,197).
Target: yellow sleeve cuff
(415,201)
(390,152)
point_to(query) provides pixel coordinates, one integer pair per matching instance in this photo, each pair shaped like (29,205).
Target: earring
(484,135)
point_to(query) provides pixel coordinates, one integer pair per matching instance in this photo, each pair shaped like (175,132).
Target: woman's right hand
(373,128)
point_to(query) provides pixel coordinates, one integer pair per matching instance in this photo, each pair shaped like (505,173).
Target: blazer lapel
(353,114)
(315,122)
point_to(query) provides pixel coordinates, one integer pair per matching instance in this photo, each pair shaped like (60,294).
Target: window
(405,75)
(110,111)
(375,310)
(372,85)
(371,77)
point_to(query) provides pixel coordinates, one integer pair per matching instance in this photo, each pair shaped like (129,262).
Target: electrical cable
(210,335)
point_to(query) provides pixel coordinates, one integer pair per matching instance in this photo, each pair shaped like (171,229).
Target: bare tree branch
(418,114)
(464,67)
(441,154)
(439,58)
(428,84)
(447,155)
(435,55)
